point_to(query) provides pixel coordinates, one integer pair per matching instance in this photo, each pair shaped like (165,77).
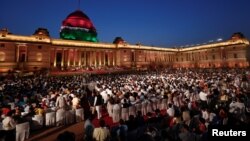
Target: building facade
(40,51)
(79,48)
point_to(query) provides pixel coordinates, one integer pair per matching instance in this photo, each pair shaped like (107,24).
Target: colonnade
(83,57)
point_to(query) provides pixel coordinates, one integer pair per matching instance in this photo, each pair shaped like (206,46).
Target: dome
(118,40)
(42,31)
(78,19)
(78,26)
(238,35)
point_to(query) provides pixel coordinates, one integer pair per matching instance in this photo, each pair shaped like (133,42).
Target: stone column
(108,58)
(85,58)
(55,57)
(68,59)
(90,58)
(100,58)
(62,63)
(96,58)
(74,56)
(17,53)
(104,58)
(114,58)
(26,54)
(95,61)
(79,58)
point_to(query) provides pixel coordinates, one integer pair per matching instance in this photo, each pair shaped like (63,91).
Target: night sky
(165,23)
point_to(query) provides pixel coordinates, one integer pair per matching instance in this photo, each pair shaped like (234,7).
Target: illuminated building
(78,26)
(79,48)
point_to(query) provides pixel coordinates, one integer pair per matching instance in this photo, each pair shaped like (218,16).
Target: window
(2,56)
(177,59)
(39,47)
(235,55)
(132,57)
(213,57)
(39,56)
(2,45)
(22,58)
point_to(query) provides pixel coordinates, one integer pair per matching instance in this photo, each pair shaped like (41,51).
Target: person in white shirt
(125,109)
(186,117)
(75,102)
(205,114)
(237,108)
(116,115)
(98,104)
(110,104)
(104,96)
(61,102)
(170,110)
(9,125)
(203,98)
(101,133)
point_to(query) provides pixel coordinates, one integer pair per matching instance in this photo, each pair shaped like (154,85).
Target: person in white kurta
(9,126)
(132,110)
(170,110)
(144,107)
(158,103)
(61,102)
(75,102)
(125,109)
(104,96)
(149,106)
(203,96)
(237,108)
(116,115)
(101,133)
(98,105)
(110,104)
(163,104)
(154,103)
(138,106)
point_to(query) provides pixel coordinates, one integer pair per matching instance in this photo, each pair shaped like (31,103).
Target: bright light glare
(220,39)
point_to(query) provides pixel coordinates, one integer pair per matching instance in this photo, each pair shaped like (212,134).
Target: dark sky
(165,23)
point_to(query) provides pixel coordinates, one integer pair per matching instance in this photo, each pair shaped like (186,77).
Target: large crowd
(166,105)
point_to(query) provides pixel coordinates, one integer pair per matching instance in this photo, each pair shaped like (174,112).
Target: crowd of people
(169,104)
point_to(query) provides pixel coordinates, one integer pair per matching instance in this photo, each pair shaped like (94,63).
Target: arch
(2,56)
(39,56)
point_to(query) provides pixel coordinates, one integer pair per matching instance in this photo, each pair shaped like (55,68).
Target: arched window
(2,56)
(39,56)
